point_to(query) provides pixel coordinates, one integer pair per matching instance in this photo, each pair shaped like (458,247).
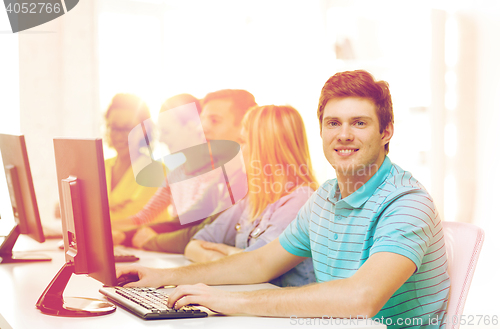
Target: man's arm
(363,294)
(260,265)
(123,224)
(154,208)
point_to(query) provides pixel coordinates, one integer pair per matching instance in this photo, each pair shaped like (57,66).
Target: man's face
(217,120)
(177,135)
(352,141)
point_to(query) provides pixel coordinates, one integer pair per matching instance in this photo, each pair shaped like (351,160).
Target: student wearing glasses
(126,197)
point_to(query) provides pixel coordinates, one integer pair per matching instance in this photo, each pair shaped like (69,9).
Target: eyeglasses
(120,130)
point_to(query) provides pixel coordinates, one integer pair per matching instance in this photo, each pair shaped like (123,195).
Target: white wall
(485,288)
(9,99)
(58,90)
(9,77)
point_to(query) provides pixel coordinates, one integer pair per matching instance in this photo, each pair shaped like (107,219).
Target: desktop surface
(22,285)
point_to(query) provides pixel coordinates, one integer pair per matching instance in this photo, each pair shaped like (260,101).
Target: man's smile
(346,151)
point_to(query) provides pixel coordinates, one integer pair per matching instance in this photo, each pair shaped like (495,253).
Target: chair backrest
(463,245)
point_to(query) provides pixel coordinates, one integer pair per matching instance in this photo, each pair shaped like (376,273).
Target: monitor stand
(52,301)
(8,257)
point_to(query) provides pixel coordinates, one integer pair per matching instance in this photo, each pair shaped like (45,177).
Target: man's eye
(333,123)
(361,123)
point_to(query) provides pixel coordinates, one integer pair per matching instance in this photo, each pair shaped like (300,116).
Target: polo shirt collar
(358,198)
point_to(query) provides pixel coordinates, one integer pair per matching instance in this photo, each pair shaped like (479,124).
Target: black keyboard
(149,303)
(122,258)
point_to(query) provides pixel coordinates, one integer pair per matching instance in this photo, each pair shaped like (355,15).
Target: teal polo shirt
(392,212)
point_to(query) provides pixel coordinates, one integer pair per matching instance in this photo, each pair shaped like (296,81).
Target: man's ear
(387,133)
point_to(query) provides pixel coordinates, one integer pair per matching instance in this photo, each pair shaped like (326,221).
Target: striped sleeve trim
(156,205)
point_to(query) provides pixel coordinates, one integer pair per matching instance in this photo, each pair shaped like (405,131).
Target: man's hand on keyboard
(148,277)
(217,300)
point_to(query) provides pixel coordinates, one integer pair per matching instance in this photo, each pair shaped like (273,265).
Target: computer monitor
(88,244)
(22,198)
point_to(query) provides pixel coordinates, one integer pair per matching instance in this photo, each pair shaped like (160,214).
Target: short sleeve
(295,237)
(407,227)
(285,212)
(222,230)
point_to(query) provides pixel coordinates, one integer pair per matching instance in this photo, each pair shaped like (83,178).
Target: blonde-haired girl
(280,180)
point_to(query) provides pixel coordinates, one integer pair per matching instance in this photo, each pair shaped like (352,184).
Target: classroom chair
(463,245)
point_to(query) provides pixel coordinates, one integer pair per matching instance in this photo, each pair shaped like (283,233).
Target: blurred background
(439,57)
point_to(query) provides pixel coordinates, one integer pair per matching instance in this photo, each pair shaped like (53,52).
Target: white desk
(22,284)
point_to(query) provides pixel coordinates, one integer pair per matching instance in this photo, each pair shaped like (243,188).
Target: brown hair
(178,100)
(359,84)
(241,100)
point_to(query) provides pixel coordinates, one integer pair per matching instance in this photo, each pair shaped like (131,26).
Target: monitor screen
(22,198)
(84,205)
(88,243)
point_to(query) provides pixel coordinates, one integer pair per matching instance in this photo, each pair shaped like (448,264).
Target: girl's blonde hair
(279,159)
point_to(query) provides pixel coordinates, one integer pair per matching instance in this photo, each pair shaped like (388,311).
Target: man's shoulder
(401,182)
(400,178)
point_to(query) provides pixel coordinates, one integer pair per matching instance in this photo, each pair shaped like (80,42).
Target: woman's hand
(118,237)
(220,247)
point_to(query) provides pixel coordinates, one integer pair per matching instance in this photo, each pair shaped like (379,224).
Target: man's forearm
(257,266)
(333,298)
(242,268)
(363,294)
(260,265)
(123,224)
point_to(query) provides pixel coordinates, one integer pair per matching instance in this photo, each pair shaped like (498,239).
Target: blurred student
(172,134)
(280,182)
(180,127)
(221,118)
(126,197)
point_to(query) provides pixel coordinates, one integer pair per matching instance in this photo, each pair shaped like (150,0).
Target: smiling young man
(373,232)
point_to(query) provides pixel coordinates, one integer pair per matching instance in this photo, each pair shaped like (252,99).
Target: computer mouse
(126,278)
